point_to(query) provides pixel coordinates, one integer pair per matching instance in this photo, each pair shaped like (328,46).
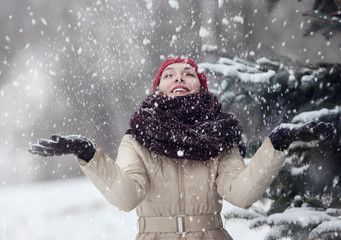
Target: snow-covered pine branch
(242,80)
(237,69)
(298,223)
(336,212)
(265,71)
(238,213)
(303,216)
(294,222)
(286,232)
(258,222)
(316,115)
(327,230)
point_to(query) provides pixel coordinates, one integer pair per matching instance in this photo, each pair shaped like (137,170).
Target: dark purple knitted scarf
(192,127)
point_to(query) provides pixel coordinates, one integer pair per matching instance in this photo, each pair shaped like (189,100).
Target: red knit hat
(189,61)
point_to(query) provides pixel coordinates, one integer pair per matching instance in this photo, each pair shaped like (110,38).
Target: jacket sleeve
(243,185)
(124,182)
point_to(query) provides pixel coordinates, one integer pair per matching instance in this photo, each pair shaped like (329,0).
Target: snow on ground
(74,209)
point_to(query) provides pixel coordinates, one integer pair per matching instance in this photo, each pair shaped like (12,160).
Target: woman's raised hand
(59,145)
(283,135)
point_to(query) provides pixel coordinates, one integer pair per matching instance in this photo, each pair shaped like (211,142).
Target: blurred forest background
(83,67)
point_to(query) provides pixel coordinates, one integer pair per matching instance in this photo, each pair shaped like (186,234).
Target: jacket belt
(180,224)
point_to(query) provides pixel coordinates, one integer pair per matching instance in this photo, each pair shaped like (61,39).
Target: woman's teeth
(180,90)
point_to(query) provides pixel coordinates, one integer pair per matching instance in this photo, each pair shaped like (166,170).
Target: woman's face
(179,79)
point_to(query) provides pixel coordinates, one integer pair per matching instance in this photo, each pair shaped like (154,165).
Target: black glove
(60,145)
(283,135)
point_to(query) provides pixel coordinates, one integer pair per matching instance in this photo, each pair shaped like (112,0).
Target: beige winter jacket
(158,186)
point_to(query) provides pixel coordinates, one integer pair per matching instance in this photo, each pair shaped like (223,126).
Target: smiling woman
(180,157)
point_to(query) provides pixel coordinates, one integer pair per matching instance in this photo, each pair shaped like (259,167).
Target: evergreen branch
(287,230)
(327,230)
(331,235)
(258,223)
(333,212)
(303,217)
(240,70)
(326,19)
(315,26)
(318,15)
(329,30)
(317,115)
(242,214)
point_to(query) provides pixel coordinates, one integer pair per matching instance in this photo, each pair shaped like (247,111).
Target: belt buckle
(180,220)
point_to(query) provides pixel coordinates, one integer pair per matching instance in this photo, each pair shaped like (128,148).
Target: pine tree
(265,93)
(326,17)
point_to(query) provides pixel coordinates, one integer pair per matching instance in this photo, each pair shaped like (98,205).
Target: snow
(208,48)
(240,70)
(69,209)
(227,95)
(174,4)
(334,211)
(290,126)
(203,32)
(299,216)
(297,171)
(43,21)
(327,227)
(308,78)
(265,60)
(220,3)
(243,214)
(239,19)
(74,209)
(180,153)
(316,115)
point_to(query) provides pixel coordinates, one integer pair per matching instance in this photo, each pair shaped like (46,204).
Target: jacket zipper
(181,188)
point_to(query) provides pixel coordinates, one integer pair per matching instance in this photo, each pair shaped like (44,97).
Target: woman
(181,156)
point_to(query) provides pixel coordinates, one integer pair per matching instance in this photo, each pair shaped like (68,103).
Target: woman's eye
(189,74)
(168,76)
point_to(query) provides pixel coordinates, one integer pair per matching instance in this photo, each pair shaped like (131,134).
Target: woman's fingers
(41,150)
(324,130)
(47,143)
(56,138)
(47,147)
(316,131)
(46,150)
(42,154)
(310,125)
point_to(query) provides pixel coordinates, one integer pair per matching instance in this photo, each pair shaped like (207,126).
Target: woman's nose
(178,78)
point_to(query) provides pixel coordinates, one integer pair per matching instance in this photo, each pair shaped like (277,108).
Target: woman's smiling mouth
(180,89)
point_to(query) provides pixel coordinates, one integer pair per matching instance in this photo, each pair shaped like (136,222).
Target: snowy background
(82,67)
